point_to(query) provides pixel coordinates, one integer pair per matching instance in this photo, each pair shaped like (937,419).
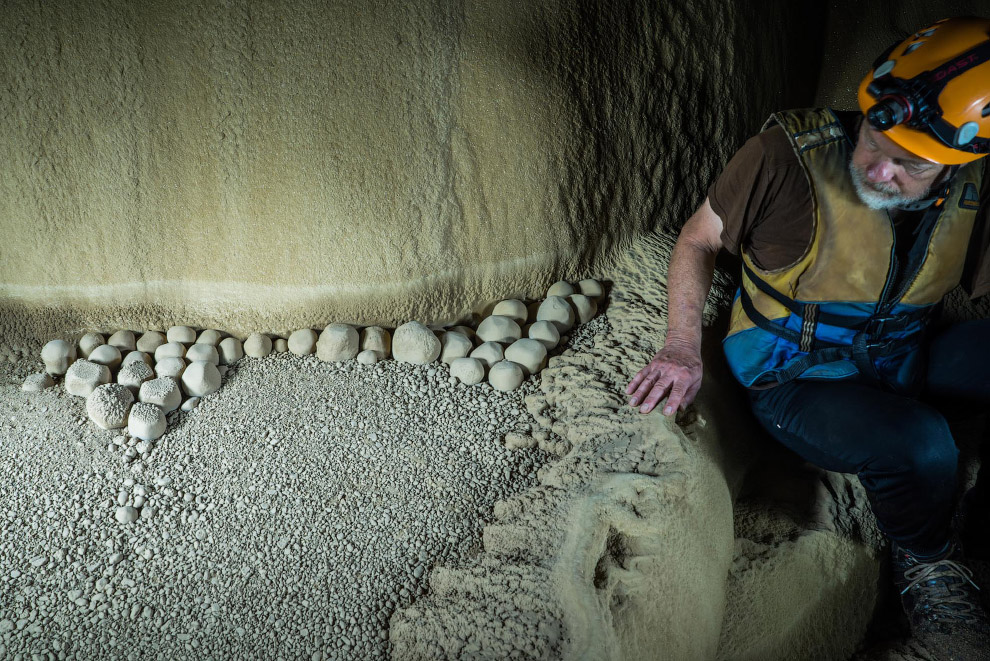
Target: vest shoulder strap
(808,128)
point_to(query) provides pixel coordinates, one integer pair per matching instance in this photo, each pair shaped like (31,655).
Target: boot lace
(942,589)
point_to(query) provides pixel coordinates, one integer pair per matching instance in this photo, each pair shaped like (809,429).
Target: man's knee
(929,451)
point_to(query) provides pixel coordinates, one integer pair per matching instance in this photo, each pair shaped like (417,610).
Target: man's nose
(880,172)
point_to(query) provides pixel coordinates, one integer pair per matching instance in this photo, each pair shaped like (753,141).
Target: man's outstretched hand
(674,373)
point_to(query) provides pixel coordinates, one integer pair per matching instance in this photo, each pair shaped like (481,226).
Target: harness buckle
(875,328)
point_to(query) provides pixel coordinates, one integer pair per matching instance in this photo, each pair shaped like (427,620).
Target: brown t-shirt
(764,201)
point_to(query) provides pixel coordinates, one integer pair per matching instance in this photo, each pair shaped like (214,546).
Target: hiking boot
(942,605)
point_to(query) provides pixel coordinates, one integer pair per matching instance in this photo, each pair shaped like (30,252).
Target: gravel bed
(288,516)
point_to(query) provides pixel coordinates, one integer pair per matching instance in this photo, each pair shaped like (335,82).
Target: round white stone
(88,342)
(585,308)
(150,341)
(83,377)
(415,343)
(206,352)
(302,342)
(209,336)
(190,404)
(201,378)
(557,311)
(505,376)
(497,328)
(137,356)
(338,342)
(57,356)
(454,345)
(163,393)
(545,333)
(109,404)
(368,357)
(468,370)
(281,345)
(513,309)
(105,354)
(123,340)
(489,353)
(592,289)
(231,350)
(170,367)
(134,373)
(170,350)
(529,354)
(560,288)
(126,515)
(466,331)
(377,339)
(181,334)
(37,382)
(257,345)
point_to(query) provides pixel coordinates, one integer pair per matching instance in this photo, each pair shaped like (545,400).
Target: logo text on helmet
(954,67)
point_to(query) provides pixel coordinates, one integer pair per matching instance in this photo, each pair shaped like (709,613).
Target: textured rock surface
(109,404)
(134,373)
(338,342)
(162,392)
(146,421)
(630,545)
(465,158)
(415,343)
(37,382)
(83,377)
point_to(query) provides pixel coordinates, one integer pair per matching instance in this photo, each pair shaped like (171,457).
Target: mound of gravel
(289,515)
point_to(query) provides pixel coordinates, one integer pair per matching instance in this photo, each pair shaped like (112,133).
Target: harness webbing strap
(809,323)
(894,323)
(818,352)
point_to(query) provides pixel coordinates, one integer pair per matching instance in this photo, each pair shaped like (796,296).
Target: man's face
(887,176)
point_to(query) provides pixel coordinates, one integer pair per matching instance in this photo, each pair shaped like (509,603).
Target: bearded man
(851,228)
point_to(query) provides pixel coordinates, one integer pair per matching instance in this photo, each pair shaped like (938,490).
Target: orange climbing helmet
(931,92)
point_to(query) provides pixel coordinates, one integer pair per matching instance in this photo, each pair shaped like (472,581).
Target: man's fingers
(658,392)
(677,395)
(643,382)
(631,388)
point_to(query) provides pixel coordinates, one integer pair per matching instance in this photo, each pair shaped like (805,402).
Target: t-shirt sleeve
(738,192)
(764,200)
(976,276)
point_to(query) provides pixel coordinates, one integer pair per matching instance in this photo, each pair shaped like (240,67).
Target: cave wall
(274,165)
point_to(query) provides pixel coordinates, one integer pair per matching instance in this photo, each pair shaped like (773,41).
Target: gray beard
(873,195)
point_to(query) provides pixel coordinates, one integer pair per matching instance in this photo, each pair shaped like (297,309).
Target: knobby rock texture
(270,166)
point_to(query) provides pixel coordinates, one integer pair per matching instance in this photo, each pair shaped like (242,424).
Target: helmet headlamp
(906,93)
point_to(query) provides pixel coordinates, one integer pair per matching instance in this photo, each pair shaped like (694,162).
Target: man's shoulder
(775,146)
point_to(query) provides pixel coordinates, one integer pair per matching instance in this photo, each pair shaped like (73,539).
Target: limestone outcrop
(451,156)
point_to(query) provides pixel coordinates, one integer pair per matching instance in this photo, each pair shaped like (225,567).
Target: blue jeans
(900,447)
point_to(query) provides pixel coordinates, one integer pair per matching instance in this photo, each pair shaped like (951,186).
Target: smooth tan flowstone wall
(265,166)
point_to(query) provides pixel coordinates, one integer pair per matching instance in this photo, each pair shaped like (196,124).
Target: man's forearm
(689,277)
